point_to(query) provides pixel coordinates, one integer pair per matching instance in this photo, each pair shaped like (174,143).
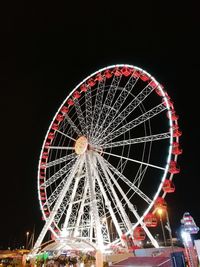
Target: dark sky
(48,49)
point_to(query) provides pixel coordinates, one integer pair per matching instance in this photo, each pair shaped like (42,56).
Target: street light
(160,212)
(169,230)
(27,234)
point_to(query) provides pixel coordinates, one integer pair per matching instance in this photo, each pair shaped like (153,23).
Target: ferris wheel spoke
(132,124)
(140,174)
(73,126)
(106,105)
(95,214)
(133,160)
(132,208)
(107,201)
(57,205)
(66,180)
(88,109)
(119,220)
(61,210)
(66,200)
(61,147)
(54,195)
(110,115)
(114,121)
(66,135)
(119,204)
(75,188)
(80,116)
(60,160)
(130,205)
(127,181)
(60,173)
(81,209)
(98,104)
(95,140)
(138,140)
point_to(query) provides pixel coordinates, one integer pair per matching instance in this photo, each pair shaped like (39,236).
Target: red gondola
(168,186)
(150,220)
(42,167)
(59,117)
(176,131)
(64,109)
(55,126)
(176,150)
(45,155)
(158,92)
(160,203)
(47,144)
(153,84)
(76,94)
(51,136)
(116,72)
(173,167)
(136,74)
(42,189)
(139,233)
(108,74)
(91,82)
(83,88)
(99,77)
(174,116)
(43,161)
(126,71)
(144,77)
(70,102)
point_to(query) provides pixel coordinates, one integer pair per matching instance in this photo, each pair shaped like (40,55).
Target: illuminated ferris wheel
(108,157)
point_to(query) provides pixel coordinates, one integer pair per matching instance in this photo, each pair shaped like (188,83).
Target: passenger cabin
(139,233)
(150,220)
(168,186)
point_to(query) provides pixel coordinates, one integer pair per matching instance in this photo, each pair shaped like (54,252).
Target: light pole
(27,234)
(160,212)
(170,230)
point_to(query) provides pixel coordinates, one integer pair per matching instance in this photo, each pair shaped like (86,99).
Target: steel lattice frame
(106,156)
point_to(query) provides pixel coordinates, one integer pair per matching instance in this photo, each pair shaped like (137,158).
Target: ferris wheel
(108,157)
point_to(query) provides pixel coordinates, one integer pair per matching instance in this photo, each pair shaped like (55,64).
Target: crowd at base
(22,259)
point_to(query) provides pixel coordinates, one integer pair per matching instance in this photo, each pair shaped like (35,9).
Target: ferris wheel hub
(81,145)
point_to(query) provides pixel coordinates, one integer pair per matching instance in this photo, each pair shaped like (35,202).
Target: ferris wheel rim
(170,123)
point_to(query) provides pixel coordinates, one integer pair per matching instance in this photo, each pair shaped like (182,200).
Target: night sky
(48,49)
